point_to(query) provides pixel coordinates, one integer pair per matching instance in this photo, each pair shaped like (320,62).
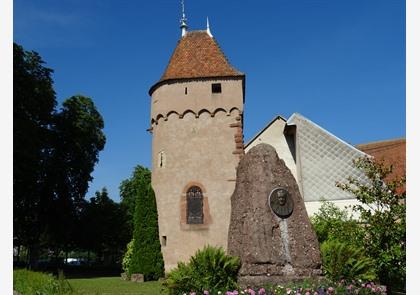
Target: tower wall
(197,140)
(170,97)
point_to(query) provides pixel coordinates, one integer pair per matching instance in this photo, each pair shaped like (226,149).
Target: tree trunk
(18,254)
(56,254)
(33,256)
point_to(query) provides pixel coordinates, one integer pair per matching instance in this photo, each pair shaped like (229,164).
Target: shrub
(147,257)
(127,257)
(209,269)
(383,212)
(346,261)
(35,283)
(333,223)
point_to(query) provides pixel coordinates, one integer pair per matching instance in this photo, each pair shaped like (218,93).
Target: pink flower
(251,292)
(261,291)
(235,292)
(316,293)
(308,293)
(206,292)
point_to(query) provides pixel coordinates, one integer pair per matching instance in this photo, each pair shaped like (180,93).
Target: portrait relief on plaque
(281,203)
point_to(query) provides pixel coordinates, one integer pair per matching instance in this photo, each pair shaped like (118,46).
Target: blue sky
(339,63)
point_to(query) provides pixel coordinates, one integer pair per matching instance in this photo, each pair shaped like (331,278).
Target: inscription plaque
(280,202)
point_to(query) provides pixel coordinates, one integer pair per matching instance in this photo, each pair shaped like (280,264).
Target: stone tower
(196,122)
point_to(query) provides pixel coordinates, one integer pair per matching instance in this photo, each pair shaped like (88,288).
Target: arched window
(194,205)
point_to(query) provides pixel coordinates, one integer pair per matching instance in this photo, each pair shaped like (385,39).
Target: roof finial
(208,28)
(183,20)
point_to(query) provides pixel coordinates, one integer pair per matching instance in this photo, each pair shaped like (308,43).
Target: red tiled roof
(390,152)
(197,55)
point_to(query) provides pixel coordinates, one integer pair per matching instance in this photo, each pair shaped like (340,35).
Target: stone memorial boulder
(269,227)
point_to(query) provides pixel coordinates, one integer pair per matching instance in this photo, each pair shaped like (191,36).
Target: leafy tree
(382,211)
(78,138)
(33,108)
(54,155)
(103,230)
(100,229)
(146,257)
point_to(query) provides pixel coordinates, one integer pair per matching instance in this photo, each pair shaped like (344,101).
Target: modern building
(318,159)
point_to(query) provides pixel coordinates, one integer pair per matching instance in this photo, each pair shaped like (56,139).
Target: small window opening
(186,90)
(161,159)
(163,241)
(216,88)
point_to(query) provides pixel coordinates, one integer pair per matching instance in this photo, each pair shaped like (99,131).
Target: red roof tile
(390,152)
(197,55)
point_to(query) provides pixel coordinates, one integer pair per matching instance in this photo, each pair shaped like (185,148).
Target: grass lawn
(114,286)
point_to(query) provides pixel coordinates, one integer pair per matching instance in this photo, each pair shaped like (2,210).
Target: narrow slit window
(186,90)
(161,159)
(164,241)
(216,88)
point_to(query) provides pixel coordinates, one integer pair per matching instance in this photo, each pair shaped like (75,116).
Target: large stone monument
(269,227)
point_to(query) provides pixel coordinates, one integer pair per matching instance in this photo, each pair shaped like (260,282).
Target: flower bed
(340,288)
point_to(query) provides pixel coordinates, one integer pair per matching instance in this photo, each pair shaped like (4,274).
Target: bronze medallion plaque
(281,203)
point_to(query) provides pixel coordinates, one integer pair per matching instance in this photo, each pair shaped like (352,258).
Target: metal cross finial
(183,20)
(183,8)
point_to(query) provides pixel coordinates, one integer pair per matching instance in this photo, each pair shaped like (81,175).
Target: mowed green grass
(114,286)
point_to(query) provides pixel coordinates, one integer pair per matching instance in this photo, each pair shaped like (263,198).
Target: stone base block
(137,277)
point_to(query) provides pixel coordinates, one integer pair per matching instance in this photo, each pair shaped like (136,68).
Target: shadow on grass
(80,271)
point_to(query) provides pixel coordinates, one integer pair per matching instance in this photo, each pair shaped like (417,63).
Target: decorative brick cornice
(238,137)
(197,115)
